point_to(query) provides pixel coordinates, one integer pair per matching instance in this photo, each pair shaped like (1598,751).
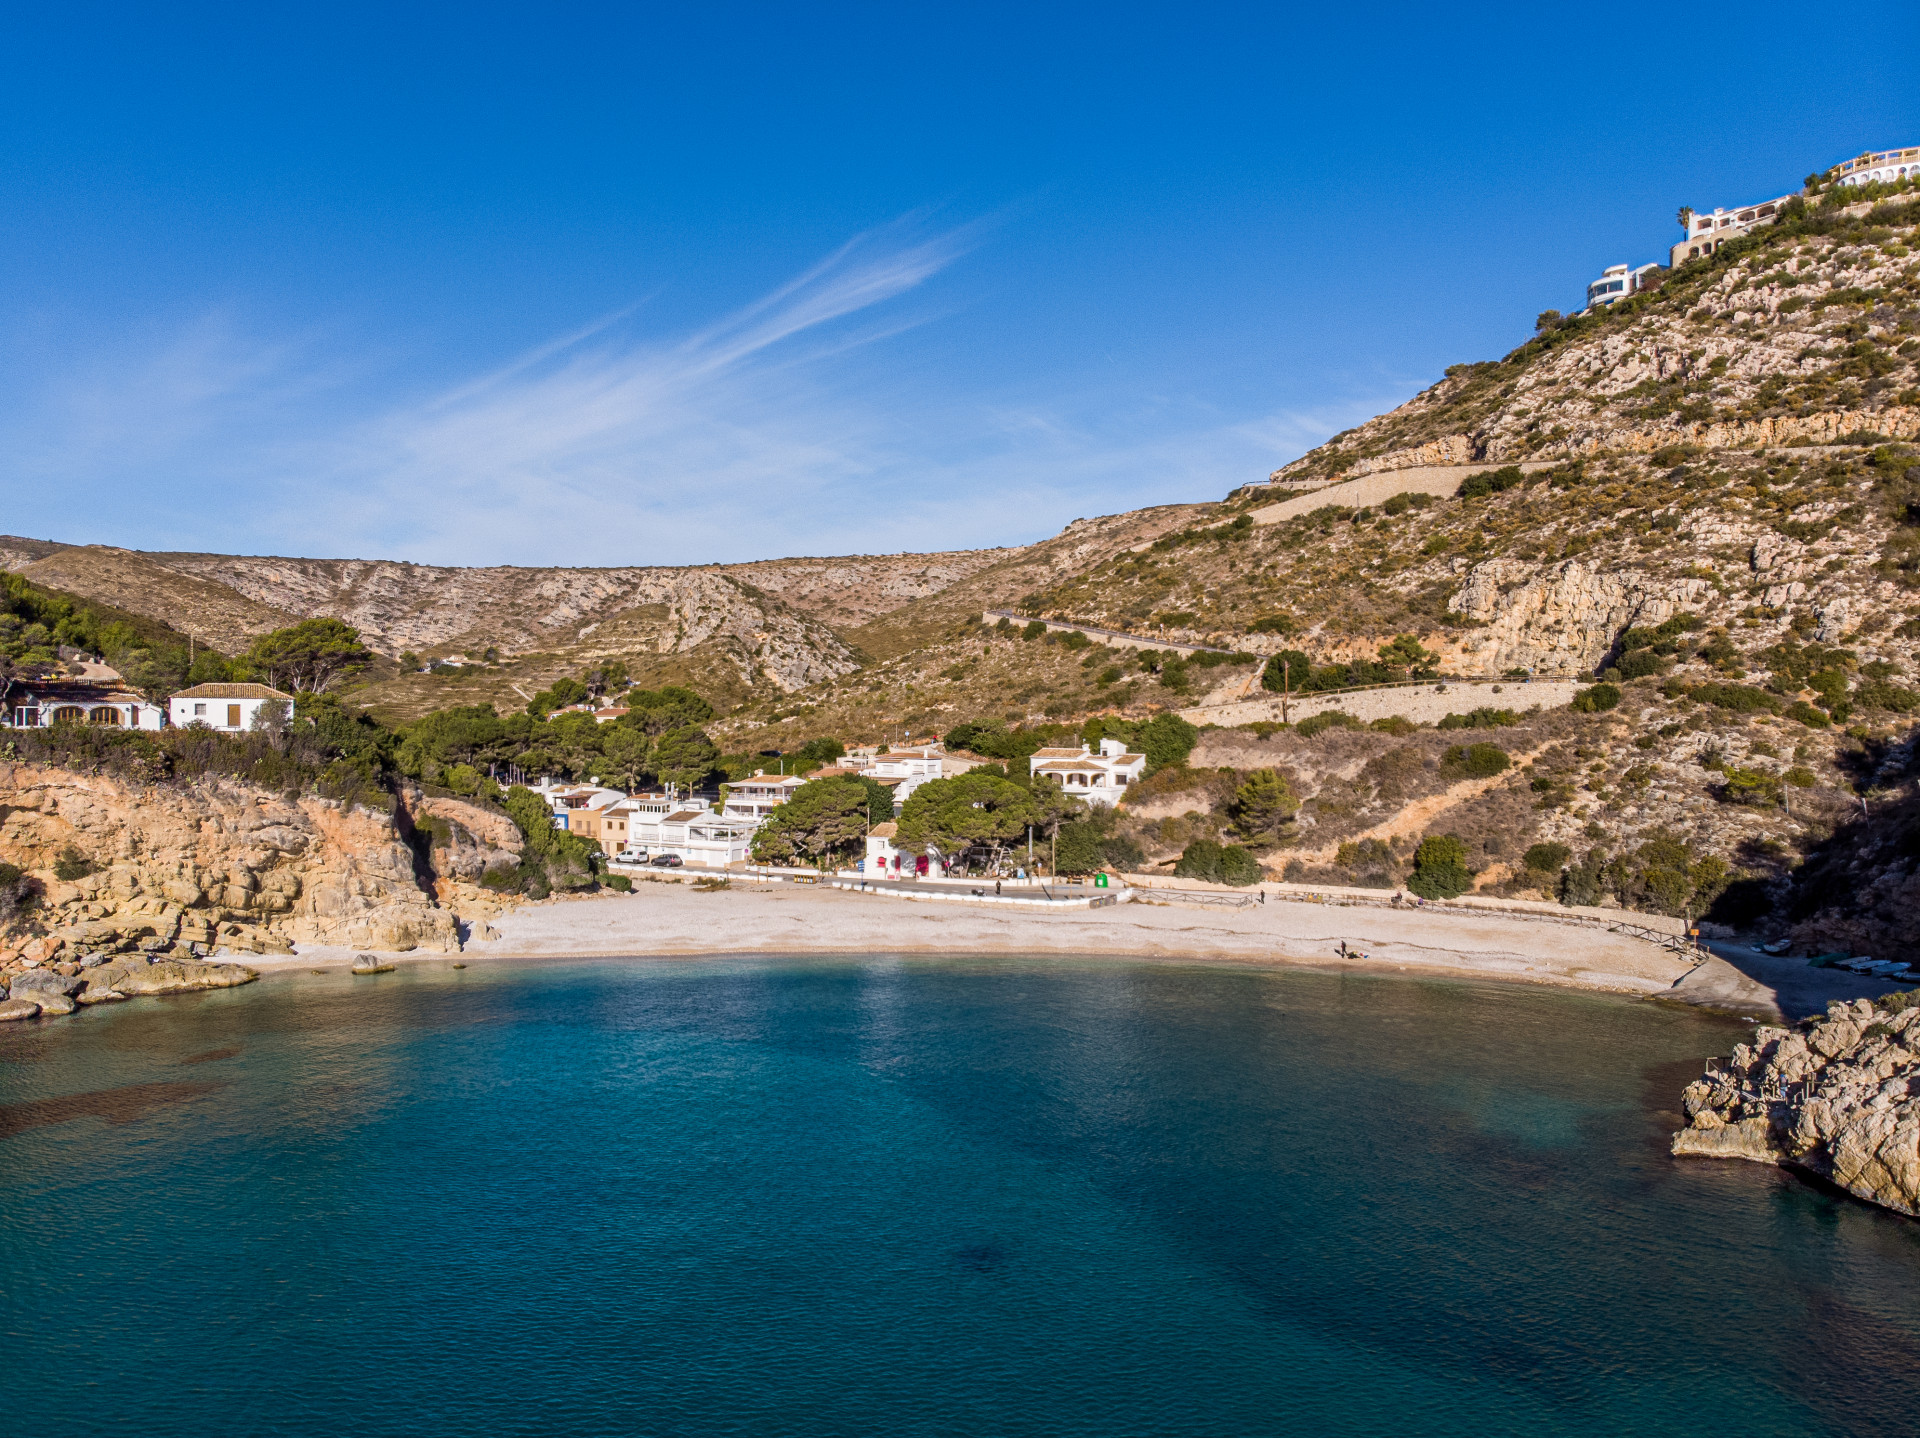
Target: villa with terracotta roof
(230,708)
(1098,778)
(38,704)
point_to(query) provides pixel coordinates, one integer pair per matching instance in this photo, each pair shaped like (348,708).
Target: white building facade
(1616,282)
(1707,232)
(31,705)
(759,796)
(1101,778)
(229,708)
(1884,167)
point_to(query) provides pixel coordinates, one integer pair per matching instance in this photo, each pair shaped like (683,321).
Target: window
(199,710)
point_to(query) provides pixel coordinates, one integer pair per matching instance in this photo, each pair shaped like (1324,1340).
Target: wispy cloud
(795,424)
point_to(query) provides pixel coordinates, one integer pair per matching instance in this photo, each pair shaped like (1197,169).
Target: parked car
(631,856)
(667,861)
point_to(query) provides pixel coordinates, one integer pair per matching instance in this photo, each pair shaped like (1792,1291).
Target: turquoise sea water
(885,1196)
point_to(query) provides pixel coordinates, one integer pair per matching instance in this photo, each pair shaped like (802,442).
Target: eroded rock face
(1561,619)
(1840,1098)
(221,864)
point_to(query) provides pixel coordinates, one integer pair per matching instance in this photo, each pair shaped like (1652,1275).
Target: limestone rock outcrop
(1838,1097)
(182,871)
(1560,619)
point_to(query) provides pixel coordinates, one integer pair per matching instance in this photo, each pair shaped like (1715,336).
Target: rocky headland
(1837,1096)
(134,886)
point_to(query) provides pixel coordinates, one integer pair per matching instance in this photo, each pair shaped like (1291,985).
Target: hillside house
(1883,167)
(36,704)
(1616,282)
(1100,778)
(904,770)
(1707,232)
(229,708)
(759,796)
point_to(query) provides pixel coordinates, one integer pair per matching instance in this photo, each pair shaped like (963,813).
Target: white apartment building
(1879,166)
(699,836)
(1098,778)
(230,708)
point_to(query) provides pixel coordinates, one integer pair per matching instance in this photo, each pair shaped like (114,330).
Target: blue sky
(610,285)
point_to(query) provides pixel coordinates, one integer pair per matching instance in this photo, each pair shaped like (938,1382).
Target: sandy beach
(674,920)
(671,919)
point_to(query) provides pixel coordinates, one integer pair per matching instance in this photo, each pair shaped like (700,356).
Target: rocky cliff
(1838,1097)
(221,865)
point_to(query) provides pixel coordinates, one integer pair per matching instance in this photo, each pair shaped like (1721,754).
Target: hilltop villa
(1883,167)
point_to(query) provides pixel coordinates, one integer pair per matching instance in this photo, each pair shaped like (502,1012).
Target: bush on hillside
(1218,864)
(1597,700)
(1547,858)
(1326,719)
(1440,868)
(1491,481)
(1483,718)
(1476,761)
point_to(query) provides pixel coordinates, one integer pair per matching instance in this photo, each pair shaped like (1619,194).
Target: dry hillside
(1707,491)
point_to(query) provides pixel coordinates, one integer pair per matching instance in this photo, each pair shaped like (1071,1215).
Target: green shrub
(1483,718)
(1440,868)
(1738,698)
(1639,664)
(1218,864)
(72,864)
(1804,713)
(619,883)
(1547,858)
(1327,719)
(1491,481)
(1033,630)
(18,893)
(1597,700)
(1477,761)
(1751,786)
(1393,724)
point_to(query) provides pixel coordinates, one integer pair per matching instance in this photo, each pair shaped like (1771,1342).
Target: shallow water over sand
(913,1196)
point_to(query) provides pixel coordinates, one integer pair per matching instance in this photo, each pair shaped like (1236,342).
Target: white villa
(759,796)
(230,708)
(1707,232)
(1883,166)
(699,836)
(906,769)
(30,704)
(1616,282)
(1098,778)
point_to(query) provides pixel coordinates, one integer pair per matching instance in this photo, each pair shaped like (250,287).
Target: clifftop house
(1878,167)
(38,704)
(230,708)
